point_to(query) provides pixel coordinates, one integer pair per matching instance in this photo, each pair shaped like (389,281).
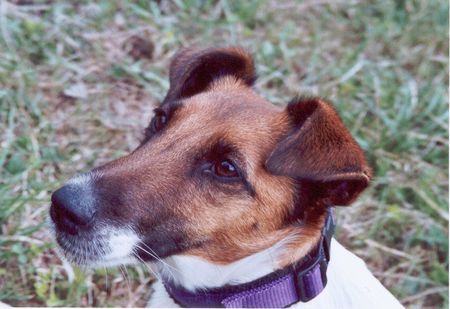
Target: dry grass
(78,81)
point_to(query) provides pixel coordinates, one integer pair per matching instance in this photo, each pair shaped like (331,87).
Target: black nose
(73,208)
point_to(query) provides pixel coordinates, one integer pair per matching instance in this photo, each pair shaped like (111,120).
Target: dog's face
(221,173)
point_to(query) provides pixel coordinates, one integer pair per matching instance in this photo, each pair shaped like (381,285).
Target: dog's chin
(105,247)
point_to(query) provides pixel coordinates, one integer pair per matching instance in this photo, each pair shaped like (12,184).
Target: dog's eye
(225,168)
(158,122)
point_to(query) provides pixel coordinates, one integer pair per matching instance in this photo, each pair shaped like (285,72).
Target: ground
(79,80)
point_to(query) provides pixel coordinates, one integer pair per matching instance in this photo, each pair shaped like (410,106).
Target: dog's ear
(319,151)
(193,70)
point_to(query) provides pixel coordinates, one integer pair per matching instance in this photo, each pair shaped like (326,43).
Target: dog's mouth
(101,247)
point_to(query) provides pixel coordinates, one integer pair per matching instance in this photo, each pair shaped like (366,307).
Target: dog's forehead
(239,117)
(235,106)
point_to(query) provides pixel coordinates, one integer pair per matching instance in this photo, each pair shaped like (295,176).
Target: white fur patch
(119,246)
(80,179)
(193,272)
(84,178)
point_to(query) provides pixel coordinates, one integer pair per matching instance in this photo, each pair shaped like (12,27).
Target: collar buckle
(312,280)
(327,233)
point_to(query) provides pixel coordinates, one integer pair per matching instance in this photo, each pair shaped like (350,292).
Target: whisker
(106,279)
(158,258)
(164,264)
(130,292)
(126,279)
(145,264)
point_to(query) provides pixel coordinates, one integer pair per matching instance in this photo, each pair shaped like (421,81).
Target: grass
(78,80)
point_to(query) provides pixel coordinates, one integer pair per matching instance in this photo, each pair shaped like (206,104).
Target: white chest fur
(350,283)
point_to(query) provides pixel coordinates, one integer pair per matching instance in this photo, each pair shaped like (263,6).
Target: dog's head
(221,173)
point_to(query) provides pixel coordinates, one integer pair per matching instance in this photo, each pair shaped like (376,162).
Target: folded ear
(192,70)
(319,150)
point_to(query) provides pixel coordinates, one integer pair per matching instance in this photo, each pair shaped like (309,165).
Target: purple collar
(301,281)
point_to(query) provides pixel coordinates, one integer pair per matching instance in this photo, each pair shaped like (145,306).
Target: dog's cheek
(163,223)
(163,243)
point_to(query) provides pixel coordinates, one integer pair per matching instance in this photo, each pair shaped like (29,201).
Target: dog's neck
(195,273)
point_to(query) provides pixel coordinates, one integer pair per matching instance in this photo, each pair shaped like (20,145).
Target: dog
(229,197)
